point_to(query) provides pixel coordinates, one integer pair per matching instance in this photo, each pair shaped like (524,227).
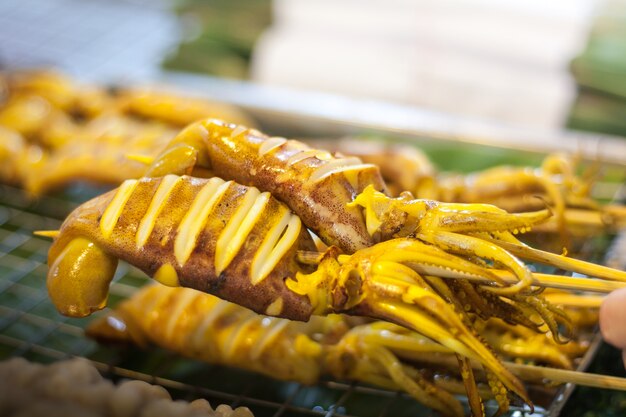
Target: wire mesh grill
(74,38)
(31,327)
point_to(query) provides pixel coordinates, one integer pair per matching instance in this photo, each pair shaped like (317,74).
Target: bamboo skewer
(538,373)
(609,218)
(540,256)
(534,373)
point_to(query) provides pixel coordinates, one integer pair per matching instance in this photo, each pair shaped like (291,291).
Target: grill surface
(72,36)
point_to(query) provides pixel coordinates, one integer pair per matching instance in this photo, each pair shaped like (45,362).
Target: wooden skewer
(540,280)
(46,233)
(538,373)
(549,258)
(611,216)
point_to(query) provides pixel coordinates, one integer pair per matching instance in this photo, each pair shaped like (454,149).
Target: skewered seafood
(38,120)
(59,91)
(244,245)
(327,192)
(100,153)
(240,244)
(311,182)
(207,328)
(13,149)
(70,132)
(47,108)
(173,110)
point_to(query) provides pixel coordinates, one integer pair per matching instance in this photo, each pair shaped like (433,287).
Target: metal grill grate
(97,40)
(30,327)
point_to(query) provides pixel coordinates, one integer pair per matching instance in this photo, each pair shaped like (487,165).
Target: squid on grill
(247,245)
(174,110)
(68,132)
(14,156)
(100,153)
(203,327)
(47,108)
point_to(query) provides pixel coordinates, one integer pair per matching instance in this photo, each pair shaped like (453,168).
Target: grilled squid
(203,327)
(215,331)
(250,244)
(242,245)
(345,202)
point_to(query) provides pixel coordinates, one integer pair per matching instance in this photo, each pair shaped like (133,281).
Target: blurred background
(527,64)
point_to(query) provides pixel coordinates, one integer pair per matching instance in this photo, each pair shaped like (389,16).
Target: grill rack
(31,327)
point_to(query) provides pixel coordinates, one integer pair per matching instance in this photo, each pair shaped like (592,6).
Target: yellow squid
(249,244)
(204,327)
(200,326)
(69,132)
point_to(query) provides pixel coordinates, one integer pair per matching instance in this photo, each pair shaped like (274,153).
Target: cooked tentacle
(479,230)
(477,408)
(515,189)
(514,342)
(378,282)
(376,363)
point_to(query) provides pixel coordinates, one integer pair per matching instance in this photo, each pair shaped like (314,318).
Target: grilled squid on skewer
(215,331)
(244,245)
(203,327)
(344,201)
